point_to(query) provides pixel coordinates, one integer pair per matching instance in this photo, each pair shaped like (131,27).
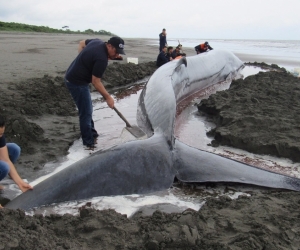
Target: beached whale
(149,165)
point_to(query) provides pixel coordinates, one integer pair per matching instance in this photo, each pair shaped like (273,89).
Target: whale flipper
(196,166)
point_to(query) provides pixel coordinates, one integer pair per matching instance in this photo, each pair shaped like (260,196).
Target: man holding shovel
(87,67)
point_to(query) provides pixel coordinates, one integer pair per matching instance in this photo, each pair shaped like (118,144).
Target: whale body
(149,165)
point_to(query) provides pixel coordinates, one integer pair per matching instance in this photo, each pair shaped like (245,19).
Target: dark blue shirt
(162,39)
(161,59)
(92,60)
(174,54)
(169,56)
(2,141)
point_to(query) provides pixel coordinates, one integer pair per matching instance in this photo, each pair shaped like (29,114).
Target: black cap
(118,43)
(206,43)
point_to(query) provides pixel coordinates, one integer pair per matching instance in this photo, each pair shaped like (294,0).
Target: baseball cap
(118,43)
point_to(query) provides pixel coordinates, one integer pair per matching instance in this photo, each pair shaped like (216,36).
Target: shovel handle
(122,117)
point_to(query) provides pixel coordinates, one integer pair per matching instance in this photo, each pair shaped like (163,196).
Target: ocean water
(285,53)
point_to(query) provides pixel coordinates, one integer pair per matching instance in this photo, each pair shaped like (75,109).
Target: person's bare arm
(96,81)
(81,46)
(13,172)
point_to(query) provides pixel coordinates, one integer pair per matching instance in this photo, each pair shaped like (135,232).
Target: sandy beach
(43,120)
(29,55)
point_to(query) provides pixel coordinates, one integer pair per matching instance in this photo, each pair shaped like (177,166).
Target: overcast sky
(227,19)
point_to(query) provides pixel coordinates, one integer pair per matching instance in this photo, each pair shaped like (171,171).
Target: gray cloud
(247,19)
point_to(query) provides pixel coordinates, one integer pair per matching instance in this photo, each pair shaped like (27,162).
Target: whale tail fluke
(136,167)
(196,166)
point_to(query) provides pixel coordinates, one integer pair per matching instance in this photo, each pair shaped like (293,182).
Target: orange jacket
(203,46)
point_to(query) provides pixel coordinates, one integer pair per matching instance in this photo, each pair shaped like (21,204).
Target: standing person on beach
(88,67)
(162,40)
(204,47)
(9,153)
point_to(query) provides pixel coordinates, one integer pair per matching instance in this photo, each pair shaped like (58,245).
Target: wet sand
(42,118)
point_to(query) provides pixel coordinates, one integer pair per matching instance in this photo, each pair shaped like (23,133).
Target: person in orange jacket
(204,47)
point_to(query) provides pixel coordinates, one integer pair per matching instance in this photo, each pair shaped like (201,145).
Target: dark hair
(2,121)
(169,48)
(164,29)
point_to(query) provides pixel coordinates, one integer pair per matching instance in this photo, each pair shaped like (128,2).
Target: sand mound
(263,221)
(123,74)
(39,115)
(259,114)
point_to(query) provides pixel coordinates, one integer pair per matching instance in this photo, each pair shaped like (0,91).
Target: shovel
(134,130)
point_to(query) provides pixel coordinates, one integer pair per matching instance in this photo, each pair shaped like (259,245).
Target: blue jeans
(14,152)
(82,97)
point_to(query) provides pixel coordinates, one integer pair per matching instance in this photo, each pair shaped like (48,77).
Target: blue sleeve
(2,141)
(163,57)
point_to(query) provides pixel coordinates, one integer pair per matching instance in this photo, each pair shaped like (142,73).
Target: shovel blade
(137,132)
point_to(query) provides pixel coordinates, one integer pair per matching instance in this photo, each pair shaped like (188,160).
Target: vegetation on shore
(6,26)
